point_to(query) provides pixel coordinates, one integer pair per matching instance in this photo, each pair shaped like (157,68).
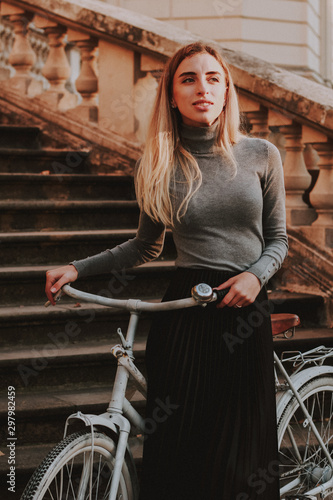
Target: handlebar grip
(221,294)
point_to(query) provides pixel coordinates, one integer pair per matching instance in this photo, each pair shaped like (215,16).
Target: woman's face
(199,90)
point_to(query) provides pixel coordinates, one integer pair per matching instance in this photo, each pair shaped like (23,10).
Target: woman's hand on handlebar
(58,277)
(244,289)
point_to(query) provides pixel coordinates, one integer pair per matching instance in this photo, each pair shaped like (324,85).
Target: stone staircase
(58,359)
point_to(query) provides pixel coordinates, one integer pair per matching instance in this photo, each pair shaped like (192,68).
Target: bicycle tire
(304,460)
(61,474)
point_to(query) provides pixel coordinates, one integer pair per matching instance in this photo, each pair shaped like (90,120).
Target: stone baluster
(321,196)
(6,45)
(259,122)
(56,69)
(247,106)
(311,162)
(87,81)
(41,48)
(296,176)
(256,116)
(22,57)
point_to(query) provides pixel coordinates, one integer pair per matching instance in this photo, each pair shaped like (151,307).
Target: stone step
(27,459)
(53,161)
(25,285)
(62,357)
(13,136)
(36,325)
(51,215)
(71,364)
(40,417)
(61,247)
(70,187)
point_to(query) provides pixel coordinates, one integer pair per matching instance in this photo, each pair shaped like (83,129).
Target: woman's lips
(202,105)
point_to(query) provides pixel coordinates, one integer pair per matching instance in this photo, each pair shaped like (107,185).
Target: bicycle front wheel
(303,465)
(71,472)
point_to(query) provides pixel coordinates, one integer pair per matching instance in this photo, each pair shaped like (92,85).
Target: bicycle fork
(119,459)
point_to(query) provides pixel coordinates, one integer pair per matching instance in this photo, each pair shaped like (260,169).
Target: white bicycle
(97,463)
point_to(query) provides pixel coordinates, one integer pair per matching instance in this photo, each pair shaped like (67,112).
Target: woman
(222,195)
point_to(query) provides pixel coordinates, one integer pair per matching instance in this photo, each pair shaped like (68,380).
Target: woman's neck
(199,139)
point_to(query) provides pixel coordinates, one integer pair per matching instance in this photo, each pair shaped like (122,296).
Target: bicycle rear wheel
(302,462)
(69,472)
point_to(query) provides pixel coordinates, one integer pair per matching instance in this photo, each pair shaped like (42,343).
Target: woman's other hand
(244,289)
(58,277)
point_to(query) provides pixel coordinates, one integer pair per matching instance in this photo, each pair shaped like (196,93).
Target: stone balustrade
(122,54)
(38,42)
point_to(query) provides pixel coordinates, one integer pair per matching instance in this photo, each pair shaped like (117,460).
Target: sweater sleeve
(146,246)
(273,219)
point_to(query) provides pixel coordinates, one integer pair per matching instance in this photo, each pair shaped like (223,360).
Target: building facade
(293,34)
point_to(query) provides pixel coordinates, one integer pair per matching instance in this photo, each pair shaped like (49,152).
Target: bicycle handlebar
(201,295)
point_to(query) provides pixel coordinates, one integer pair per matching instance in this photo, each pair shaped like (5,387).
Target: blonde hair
(164,150)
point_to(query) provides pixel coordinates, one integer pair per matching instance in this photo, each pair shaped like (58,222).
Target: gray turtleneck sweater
(233,222)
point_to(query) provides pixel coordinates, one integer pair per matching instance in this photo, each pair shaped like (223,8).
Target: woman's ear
(173,103)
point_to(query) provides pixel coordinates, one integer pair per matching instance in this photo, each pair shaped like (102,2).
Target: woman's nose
(202,87)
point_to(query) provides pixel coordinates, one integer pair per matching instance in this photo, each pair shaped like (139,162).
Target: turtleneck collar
(199,139)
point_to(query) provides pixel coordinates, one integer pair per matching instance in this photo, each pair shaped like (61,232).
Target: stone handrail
(122,54)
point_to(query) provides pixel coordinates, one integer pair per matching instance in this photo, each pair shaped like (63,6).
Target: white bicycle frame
(121,416)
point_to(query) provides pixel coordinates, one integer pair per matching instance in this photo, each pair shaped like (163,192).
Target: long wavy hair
(164,150)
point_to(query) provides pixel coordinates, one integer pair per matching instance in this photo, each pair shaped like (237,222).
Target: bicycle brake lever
(57,297)
(122,338)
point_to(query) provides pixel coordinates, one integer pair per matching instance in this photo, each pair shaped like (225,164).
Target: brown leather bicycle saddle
(282,322)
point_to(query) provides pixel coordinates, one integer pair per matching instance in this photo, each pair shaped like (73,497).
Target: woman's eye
(188,79)
(214,79)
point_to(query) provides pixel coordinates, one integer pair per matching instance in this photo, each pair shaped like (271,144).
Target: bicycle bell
(202,292)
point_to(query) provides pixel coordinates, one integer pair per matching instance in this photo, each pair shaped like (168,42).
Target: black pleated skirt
(210,428)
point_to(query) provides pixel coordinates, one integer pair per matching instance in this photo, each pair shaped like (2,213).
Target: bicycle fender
(112,422)
(299,379)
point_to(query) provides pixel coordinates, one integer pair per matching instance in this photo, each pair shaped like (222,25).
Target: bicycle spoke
(70,485)
(303,463)
(84,485)
(307,447)
(52,497)
(98,473)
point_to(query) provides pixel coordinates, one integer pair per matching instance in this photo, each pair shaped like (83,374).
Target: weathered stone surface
(309,265)
(63,130)
(310,102)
